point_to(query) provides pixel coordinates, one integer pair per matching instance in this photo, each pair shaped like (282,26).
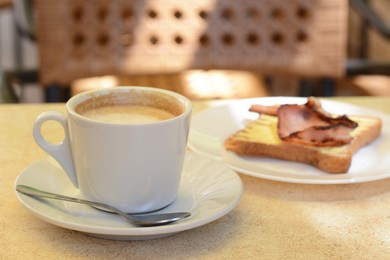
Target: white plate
(209,190)
(211,127)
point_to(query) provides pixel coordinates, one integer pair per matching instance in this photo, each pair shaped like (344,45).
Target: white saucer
(209,190)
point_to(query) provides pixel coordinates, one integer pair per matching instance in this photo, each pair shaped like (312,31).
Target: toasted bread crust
(336,161)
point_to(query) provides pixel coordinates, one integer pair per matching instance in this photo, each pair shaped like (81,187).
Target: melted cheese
(264,130)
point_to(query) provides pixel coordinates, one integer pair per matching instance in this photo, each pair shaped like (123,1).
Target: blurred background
(206,49)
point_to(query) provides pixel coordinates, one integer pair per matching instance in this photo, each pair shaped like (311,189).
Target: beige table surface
(274,220)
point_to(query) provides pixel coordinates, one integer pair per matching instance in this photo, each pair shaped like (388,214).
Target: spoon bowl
(147,219)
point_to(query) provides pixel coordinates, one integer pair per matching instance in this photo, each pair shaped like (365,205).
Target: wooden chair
(371,77)
(137,38)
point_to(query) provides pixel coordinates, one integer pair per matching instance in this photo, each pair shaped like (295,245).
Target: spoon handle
(139,220)
(27,190)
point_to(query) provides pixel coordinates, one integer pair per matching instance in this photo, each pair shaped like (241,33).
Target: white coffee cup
(134,166)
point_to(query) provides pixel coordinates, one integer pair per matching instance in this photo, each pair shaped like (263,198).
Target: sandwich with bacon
(305,133)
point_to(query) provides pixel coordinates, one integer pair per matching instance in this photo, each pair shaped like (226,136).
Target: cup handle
(62,151)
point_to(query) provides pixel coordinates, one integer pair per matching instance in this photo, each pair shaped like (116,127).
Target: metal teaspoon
(153,219)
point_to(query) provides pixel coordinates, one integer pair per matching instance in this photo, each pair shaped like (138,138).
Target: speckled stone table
(274,220)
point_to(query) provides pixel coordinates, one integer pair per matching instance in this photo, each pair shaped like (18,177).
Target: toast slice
(260,138)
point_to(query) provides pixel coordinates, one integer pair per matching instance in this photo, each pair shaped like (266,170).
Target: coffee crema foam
(128,114)
(133,107)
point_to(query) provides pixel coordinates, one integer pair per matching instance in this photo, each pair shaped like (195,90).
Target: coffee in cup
(130,108)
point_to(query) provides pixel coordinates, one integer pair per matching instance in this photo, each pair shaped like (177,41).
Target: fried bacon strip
(309,124)
(268,110)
